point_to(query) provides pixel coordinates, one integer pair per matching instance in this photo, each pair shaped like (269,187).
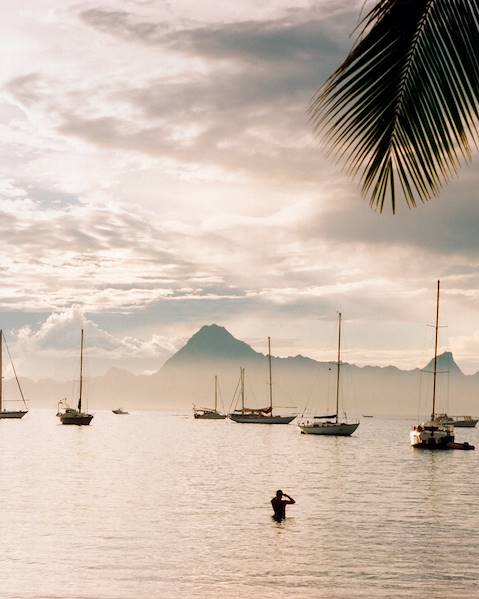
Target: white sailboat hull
(338,429)
(255,419)
(431,437)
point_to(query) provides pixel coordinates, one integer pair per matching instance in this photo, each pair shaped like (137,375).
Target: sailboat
(260,415)
(75,415)
(433,434)
(3,412)
(330,424)
(209,413)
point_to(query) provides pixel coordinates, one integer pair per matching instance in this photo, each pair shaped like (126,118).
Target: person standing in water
(279,505)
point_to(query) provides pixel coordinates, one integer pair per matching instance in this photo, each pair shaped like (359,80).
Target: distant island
(187,378)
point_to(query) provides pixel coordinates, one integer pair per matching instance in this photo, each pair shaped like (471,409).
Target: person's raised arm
(290,500)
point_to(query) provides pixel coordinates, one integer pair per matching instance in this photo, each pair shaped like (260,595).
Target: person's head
(279,493)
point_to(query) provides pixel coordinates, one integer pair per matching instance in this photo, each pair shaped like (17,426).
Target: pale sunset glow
(158,172)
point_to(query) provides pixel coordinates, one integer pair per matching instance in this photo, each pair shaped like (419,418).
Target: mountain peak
(214,342)
(444,362)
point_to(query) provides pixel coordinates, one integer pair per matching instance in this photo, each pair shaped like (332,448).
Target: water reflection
(160,505)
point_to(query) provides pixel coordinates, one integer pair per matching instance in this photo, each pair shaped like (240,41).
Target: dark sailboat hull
(13,413)
(78,419)
(210,416)
(255,419)
(465,423)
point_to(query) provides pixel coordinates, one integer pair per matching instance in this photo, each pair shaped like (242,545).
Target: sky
(158,172)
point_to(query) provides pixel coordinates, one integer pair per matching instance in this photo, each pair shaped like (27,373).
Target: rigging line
(311,393)
(15,372)
(234,397)
(419,408)
(221,397)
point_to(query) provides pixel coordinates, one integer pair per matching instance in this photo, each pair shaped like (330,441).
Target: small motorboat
(119,411)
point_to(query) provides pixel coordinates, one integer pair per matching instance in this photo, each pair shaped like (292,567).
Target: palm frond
(402,110)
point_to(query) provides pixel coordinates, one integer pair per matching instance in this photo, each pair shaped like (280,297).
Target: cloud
(52,348)
(240,113)
(162,172)
(300,33)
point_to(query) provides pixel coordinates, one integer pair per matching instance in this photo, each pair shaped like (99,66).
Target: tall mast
(433,415)
(1,370)
(81,371)
(216,392)
(270,379)
(242,388)
(339,364)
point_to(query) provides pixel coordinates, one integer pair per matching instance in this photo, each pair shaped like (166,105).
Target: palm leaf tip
(402,110)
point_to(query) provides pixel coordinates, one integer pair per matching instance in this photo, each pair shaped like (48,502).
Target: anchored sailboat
(209,413)
(457,421)
(72,415)
(3,412)
(330,425)
(433,434)
(260,415)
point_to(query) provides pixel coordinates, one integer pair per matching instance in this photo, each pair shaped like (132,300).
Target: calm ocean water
(159,505)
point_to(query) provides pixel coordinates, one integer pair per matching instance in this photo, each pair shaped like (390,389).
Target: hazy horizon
(94,370)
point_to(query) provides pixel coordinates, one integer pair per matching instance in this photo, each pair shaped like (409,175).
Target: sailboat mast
(242,389)
(270,379)
(81,371)
(339,365)
(433,415)
(216,392)
(1,370)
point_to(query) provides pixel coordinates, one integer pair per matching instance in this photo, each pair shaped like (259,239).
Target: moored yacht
(209,413)
(76,415)
(330,424)
(457,421)
(259,415)
(4,413)
(433,434)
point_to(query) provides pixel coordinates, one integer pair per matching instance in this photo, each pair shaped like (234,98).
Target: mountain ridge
(186,378)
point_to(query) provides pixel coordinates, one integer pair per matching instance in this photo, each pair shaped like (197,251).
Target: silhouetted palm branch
(402,109)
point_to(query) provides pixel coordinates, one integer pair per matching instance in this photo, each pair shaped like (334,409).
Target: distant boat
(367,416)
(76,416)
(259,415)
(330,424)
(433,434)
(3,412)
(457,421)
(209,413)
(119,411)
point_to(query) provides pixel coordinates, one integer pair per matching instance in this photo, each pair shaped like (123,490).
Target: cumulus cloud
(52,348)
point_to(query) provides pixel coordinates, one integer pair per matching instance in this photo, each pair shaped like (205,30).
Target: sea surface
(158,505)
